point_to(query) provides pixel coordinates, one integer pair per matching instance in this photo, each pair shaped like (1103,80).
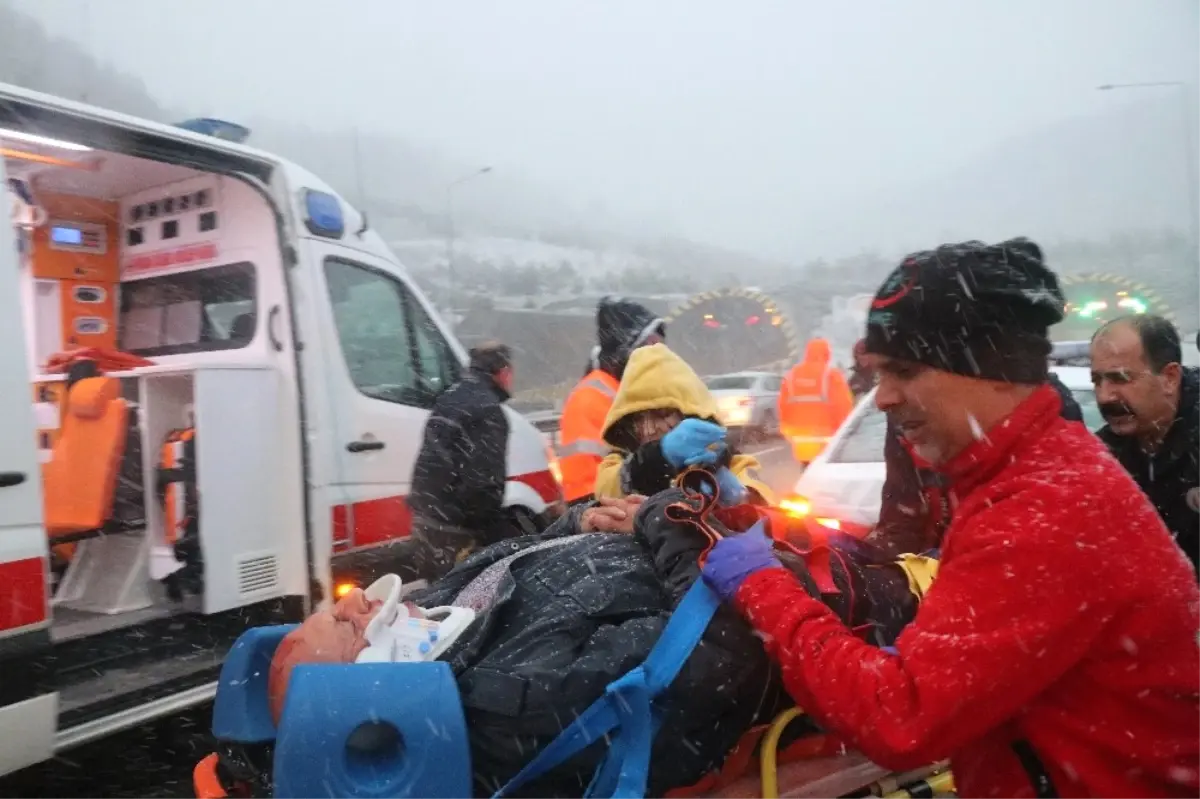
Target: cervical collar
(397,634)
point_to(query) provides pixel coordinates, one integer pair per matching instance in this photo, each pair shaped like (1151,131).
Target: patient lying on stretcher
(560,615)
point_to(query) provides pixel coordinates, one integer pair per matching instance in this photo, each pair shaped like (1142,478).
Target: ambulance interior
(141,265)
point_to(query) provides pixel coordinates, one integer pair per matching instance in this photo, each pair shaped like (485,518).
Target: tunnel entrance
(1095,298)
(732,330)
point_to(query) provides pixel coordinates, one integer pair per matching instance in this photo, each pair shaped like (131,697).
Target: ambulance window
(438,363)
(392,350)
(197,311)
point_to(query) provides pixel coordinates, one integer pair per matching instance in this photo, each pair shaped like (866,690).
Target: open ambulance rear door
(28,714)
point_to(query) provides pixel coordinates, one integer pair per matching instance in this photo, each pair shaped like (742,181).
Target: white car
(843,487)
(747,401)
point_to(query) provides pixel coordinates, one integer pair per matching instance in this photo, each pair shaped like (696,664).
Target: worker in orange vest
(621,327)
(813,402)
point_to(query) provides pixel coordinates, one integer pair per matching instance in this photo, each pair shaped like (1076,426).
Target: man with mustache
(1055,653)
(1152,405)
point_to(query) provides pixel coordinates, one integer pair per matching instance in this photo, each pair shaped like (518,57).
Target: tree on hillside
(31,58)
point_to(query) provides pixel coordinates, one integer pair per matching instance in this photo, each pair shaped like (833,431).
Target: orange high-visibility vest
(813,402)
(581,447)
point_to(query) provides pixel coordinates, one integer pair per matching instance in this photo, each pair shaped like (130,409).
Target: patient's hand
(611,515)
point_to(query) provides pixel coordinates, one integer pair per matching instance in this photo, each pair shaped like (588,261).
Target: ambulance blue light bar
(323,214)
(217,128)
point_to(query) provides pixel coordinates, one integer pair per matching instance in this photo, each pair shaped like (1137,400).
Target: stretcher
(398,729)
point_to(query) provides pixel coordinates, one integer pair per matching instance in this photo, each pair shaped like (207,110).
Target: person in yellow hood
(663,420)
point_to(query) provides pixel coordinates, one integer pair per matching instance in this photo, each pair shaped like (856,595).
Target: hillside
(1086,178)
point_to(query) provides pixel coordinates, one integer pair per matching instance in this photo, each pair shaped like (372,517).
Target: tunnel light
(342,589)
(1132,304)
(42,141)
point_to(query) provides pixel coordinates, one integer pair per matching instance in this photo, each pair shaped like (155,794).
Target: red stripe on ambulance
(377,521)
(22,593)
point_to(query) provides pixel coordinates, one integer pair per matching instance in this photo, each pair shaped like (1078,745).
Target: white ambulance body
(283,334)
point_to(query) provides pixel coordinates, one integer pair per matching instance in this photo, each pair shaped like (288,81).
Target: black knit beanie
(975,309)
(621,327)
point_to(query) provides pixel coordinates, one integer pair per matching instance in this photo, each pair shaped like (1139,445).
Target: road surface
(157,760)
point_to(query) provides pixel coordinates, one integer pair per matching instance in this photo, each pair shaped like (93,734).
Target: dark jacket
(861,380)
(459,476)
(915,507)
(1171,476)
(567,621)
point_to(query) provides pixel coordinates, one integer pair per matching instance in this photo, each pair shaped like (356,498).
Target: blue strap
(628,707)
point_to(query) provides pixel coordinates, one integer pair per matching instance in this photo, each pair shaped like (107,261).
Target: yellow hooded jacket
(658,379)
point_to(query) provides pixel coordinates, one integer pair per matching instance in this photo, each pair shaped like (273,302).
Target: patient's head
(329,636)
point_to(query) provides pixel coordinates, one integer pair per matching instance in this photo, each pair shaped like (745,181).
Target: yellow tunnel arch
(1154,302)
(769,305)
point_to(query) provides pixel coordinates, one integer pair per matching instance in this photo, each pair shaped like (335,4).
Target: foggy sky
(724,121)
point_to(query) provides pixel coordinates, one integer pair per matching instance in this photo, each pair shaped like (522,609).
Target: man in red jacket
(1056,652)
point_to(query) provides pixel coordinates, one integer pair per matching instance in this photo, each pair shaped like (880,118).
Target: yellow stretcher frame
(836,775)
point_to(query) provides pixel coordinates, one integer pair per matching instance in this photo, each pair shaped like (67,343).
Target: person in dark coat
(458,481)
(862,376)
(1152,405)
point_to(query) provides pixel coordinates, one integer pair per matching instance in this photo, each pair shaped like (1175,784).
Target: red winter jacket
(1062,615)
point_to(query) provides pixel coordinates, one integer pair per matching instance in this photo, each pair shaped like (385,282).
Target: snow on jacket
(567,620)
(1171,476)
(914,509)
(657,379)
(458,478)
(1063,615)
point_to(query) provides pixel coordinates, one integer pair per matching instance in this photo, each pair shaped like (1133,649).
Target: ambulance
(238,441)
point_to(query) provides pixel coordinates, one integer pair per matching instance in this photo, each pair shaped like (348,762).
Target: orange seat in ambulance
(81,477)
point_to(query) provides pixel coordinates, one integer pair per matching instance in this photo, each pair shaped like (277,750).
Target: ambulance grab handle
(8,479)
(364,446)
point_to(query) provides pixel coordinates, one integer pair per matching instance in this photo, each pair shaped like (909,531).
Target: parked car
(747,402)
(842,488)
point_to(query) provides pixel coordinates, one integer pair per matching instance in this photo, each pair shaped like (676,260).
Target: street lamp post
(1193,179)
(450,187)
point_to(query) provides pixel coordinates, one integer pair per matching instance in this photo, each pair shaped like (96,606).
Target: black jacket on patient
(561,615)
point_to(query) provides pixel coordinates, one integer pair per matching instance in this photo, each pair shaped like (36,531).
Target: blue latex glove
(732,490)
(693,442)
(735,558)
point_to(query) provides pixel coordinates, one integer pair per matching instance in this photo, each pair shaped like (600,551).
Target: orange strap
(108,359)
(205,779)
